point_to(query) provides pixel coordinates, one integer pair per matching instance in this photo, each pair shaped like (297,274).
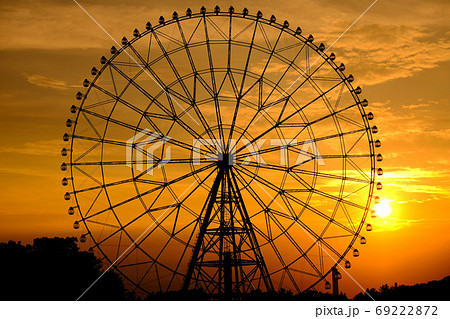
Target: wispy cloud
(416,180)
(387,52)
(419,105)
(38,148)
(415,106)
(393,224)
(46,82)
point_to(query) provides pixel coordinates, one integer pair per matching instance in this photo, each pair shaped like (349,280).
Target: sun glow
(383,209)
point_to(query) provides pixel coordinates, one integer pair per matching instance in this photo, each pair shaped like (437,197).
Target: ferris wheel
(221,151)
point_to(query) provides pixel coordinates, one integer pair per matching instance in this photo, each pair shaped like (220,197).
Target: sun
(383,209)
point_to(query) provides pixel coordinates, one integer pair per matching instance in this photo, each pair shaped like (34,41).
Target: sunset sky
(398,52)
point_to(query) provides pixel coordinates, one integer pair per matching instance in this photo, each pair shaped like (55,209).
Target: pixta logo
(308,151)
(147,150)
(143,147)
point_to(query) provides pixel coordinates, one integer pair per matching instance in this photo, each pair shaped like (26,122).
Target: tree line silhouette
(56,269)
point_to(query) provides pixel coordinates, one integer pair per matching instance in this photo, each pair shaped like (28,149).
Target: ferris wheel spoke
(132,81)
(88,175)
(303,254)
(356,142)
(213,82)
(287,117)
(234,86)
(276,221)
(101,223)
(108,209)
(154,263)
(240,95)
(103,186)
(93,147)
(92,204)
(134,128)
(295,147)
(290,46)
(217,28)
(159,187)
(243,30)
(354,192)
(97,104)
(358,169)
(113,120)
(260,106)
(248,59)
(291,63)
(314,236)
(91,125)
(339,199)
(306,74)
(166,36)
(269,237)
(265,37)
(171,141)
(186,47)
(348,156)
(304,272)
(159,223)
(118,99)
(147,69)
(304,126)
(281,192)
(349,120)
(196,75)
(348,216)
(252,192)
(172,66)
(339,97)
(123,228)
(274,49)
(112,79)
(135,264)
(332,114)
(297,170)
(170,114)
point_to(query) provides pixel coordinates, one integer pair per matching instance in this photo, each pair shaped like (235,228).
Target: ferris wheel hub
(225,161)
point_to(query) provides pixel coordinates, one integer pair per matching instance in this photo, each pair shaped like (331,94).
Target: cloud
(46,82)
(38,148)
(418,180)
(439,161)
(415,106)
(389,42)
(29,172)
(443,134)
(405,123)
(379,53)
(393,224)
(422,104)
(53,25)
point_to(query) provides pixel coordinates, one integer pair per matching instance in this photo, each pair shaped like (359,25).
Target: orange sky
(398,54)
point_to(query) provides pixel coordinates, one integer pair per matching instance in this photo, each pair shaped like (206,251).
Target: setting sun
(383,209)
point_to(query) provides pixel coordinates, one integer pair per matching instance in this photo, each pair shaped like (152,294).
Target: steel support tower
(226,259)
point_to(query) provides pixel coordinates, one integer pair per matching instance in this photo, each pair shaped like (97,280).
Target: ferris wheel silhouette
(222,151)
